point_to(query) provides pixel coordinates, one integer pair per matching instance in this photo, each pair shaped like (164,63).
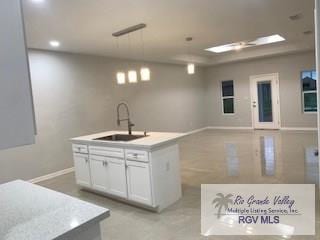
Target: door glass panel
(265,102)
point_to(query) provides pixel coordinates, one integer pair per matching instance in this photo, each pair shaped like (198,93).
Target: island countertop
(31,212)
(152,140)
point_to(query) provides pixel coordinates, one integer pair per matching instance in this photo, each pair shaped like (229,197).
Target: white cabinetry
(17,122)
(139,182)
(82,169)
(117,177)
(108,175)
(98,173)
(146,178)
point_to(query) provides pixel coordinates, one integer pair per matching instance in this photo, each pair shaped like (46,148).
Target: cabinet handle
(87,160)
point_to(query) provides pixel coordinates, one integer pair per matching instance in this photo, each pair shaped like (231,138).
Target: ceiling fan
(240,45)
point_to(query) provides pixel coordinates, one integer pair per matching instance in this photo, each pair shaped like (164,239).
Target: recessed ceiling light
(54,43)
(245,44)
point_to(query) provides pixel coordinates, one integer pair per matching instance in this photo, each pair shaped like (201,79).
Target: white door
(139,182)
(82,169)
(116,171)
(265,102)
(99,173)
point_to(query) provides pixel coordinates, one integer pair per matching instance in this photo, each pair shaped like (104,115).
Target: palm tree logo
(222,201)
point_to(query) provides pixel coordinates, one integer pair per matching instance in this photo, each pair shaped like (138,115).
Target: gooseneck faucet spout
(130,124)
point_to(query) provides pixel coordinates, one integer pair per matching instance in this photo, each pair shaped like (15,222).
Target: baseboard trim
(52,175)
(250,128)
(298,129)
(229,128)
(195,131)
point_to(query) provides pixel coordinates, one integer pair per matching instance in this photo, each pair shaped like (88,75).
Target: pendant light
(144,70)
(132,74)
(121,76)
(190,66)
(145,74)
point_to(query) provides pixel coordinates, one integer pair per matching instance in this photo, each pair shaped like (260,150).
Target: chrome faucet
(130,124)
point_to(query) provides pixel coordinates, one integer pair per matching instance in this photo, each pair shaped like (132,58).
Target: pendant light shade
(132,76)
(191,68)
(121,78)
(145,74)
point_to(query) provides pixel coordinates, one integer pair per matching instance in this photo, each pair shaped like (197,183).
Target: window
(309,91)
(227,97)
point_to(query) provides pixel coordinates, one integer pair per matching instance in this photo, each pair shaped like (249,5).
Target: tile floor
(212,156)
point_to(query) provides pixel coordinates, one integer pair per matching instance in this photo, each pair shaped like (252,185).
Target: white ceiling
(85,26)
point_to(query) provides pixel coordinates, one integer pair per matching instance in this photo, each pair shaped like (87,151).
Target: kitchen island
(31,212)
(143,171)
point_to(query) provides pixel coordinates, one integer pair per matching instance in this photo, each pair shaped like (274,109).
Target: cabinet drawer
(98,158)
(137,155)
(79,148)
(106,151)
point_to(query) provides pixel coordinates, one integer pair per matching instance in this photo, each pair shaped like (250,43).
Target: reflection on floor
(211,157)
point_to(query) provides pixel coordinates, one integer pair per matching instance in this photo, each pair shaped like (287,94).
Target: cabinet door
(82,169)
(117,177)
(99,173)
(139,182)
(17,123)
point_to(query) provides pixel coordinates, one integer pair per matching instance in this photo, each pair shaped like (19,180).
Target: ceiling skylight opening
(37,1)
(245,44)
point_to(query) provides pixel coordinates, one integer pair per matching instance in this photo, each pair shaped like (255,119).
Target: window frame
(308,91)
(227,97)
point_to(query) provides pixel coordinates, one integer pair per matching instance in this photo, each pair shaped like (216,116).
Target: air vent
(308,32)
(295,17)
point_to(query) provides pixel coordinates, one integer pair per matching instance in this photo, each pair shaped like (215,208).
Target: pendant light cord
(142,46)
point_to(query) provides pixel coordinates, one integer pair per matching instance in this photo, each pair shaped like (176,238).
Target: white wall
(76,95)
(289,68)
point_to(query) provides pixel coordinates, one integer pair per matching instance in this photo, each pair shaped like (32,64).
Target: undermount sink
(120,137)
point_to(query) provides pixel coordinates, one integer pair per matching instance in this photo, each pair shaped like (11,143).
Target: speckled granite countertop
(31,212)
(152,140)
